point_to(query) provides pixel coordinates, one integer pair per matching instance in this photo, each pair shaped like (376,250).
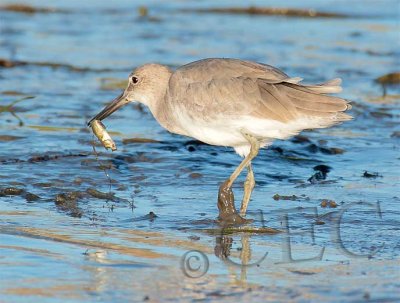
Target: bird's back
(206,70)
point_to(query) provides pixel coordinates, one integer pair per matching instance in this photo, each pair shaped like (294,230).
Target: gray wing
(211,87)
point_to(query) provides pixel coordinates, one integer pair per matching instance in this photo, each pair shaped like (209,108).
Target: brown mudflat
(271,11)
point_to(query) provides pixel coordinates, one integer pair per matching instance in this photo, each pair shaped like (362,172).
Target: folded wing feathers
(328,87)
(290,100)
(274,104)
(294,80)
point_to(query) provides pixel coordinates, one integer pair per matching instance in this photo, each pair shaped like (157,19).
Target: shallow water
(90,249)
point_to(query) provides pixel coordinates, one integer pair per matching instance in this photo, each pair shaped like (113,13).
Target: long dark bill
(110,108)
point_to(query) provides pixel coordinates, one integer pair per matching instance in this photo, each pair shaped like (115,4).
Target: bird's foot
(232,219)
(228,214)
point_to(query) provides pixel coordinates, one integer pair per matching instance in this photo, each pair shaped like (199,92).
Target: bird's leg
(248,189)
(255,146)
(245,256)
(226,203)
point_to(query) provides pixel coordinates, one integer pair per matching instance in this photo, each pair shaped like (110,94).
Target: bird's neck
(158,101)
(163,113)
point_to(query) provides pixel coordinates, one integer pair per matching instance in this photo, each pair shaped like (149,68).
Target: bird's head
(147,84)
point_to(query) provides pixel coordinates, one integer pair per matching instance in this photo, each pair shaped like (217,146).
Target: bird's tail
(312,101)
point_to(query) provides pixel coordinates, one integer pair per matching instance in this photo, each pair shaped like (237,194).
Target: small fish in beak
(100,132)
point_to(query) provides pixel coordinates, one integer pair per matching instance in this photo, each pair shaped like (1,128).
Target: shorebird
(234,103)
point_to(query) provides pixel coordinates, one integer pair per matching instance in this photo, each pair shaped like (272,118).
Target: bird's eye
(135,80)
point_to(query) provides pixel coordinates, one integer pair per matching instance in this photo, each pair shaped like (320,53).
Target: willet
(235,103)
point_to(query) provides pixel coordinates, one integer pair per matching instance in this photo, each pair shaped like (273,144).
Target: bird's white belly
(214,133)
(223,134)
(228,130)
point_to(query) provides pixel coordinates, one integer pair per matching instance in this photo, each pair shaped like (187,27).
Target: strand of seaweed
(96,154)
